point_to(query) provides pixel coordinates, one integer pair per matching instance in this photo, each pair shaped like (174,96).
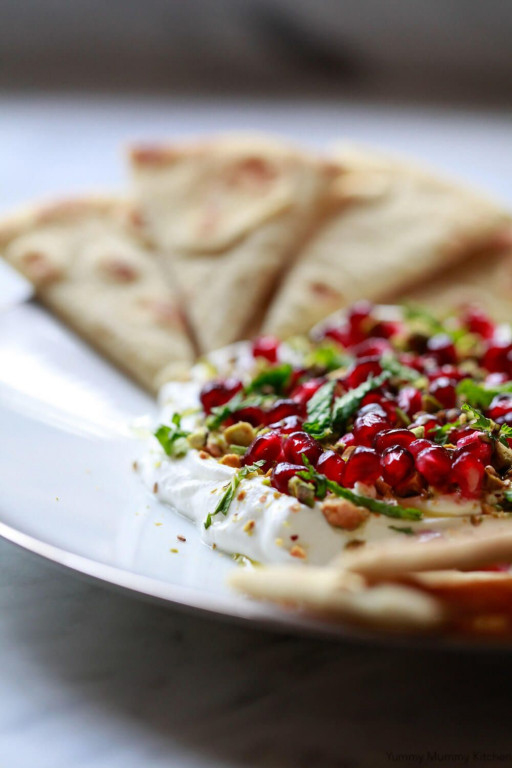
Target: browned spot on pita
(164,312)
(119,271)
(321,290)
(40,269)
(252,173)
(153,155)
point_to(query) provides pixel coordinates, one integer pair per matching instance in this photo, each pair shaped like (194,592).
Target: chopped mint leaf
(230,490)
(173,438)
(220,413)
(497,431)
(395,368)
(319,411)
(420,314)
(407,531)
(508,494)
(275,379)
(441,434)
(328,357)
(479,395)
(323,484)
(346,405)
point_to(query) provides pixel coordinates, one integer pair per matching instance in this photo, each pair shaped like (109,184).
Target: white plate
(68,489)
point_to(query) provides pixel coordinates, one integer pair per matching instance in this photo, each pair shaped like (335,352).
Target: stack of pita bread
(225,238)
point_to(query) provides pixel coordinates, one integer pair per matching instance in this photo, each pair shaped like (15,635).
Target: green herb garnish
(323,484)
(275,379)
(327,357)
(508,494)
(398,529)
(173,438)
(320,411)
(220,413)
(346,405)
(441,433)
(496,431)
(395,368)
(412,312)
(479,395)
(230,490)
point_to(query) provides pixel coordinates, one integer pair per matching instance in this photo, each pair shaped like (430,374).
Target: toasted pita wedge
(394,225)
(484,279)
(89,266)
(343,595)
(229,214)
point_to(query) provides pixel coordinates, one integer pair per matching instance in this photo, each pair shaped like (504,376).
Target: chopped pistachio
(418,431)
(303,491)
(503,455)
(430,404)
(230,460)
(198,438)
(241,433)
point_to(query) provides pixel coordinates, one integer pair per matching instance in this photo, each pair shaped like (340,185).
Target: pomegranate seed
(287,426)
(357,316)
(428,422)
(412,361)
(283,473)
(435,465)
(506,419)
(281,409)
(500,406)
(468,473)
(386,329)
(419,445)
(368,426)
(478,322)
(495,358)
(397,465)
(332,466)
(267,347)
(387,406)
(409,400)
(266,447)
(363,466)
(401,437)
(301,444)
(216,393)
(496,378)
(348,440)
(304,392)
(371,347)
(442,348)
(443,389)
(339,335)
(450,371)
(362,370)
(476,445)
(459,432)
(252,414)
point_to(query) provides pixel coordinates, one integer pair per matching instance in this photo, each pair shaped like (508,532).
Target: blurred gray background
(414,49)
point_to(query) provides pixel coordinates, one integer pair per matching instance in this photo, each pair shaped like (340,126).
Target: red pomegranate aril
(386,329)
(494,379)
(506,419)
(266,347)
(419,445)
(435,464)
(409,400)
(216,393)
(368,426)
(363,466)
(357,318)
(443,389)
(448,371)
(478,322)
(468,473)
(283,408)
(332,466)
(412,361)
(287,426)
(371,347)
(495,358)
(252,414)
(475,444)
(375,408)
(442,348)
(340,335)
(304,392)
(387,406)
(300,444)
(282,474)
(397,465)
(392,438)
(267,447)
(347,440)
(428,422)
(500,405)
(362,370)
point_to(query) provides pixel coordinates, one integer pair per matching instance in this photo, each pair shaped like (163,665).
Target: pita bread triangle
(391,226)
(90,266)
(229,214)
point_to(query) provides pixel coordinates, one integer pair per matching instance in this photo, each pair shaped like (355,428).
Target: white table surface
(94,679)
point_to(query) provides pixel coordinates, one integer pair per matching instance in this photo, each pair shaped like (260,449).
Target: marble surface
(95,679)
